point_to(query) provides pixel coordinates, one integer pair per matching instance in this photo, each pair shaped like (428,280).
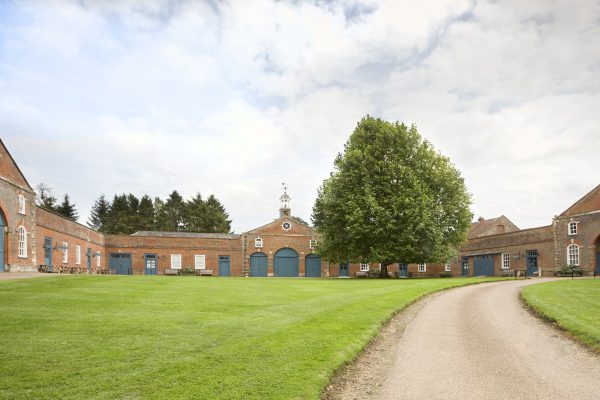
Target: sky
(233,98)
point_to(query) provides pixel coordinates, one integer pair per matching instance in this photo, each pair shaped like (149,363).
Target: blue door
(532,262)
(286,263)
(224,266)
(483,265)
(150,264)
(598,262)
(464,270)
(312,266)
(48,253)
(344,269)
(89,260)
(121,263)
(258,264)
(2,260)
(402,270)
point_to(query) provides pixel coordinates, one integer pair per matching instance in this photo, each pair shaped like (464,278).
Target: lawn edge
(336,375)
(549,320)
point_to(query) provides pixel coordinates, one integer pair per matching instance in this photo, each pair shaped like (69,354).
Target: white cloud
(234,98)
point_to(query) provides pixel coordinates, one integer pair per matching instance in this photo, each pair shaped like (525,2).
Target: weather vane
(284,187)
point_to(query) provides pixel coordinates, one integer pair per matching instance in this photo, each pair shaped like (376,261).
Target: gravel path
(475,342)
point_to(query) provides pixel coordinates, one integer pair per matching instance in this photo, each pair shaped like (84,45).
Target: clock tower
(284,199)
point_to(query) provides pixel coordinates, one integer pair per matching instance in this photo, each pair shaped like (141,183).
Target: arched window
(22,234)
(258,242)
(21,204)
(573,255)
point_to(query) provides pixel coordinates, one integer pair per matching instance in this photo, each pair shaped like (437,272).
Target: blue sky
(233,98)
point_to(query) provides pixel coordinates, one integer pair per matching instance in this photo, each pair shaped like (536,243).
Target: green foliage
(99,214)
(572,304)
(391,197)
(151,337)
(569,270)
(67,209)
(170,217)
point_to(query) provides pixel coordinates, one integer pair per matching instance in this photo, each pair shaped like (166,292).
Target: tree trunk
(383,273)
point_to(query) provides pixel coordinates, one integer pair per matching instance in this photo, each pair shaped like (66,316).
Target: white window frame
(312,244)
(98,259)
(505,261)
(65,250)
(258,242)
(21,204)
(175,261)
(572,228)
(22,238)
(448,267)
(573,255)
(199,261)
(422,267)
(77,254)
(364,267)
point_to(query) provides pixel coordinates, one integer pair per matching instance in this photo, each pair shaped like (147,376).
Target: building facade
(32,237)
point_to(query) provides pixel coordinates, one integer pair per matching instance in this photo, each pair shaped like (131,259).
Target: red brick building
(31,236)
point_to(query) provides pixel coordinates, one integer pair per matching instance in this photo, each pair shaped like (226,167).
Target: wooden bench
(171,271)
(204,272)
(508,273)
(362,274)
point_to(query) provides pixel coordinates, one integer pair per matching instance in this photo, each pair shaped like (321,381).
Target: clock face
(286,225)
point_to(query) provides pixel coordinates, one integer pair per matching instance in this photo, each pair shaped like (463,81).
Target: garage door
(258,264)
(312,266)
(483,265)
(286,263)
(121,263)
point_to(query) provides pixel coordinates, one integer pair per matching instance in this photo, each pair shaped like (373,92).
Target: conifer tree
(146,213)
(196,214)
(67,209)
(218,219)
(99,214)
(44,198)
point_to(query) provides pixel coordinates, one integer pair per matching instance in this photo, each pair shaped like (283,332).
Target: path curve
(478,342)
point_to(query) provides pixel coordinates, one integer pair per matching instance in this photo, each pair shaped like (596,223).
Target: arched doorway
(312,266)
(2,241)
(286,263)
(258,264)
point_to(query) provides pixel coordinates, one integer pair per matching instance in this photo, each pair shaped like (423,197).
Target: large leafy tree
(391,197)
(67,209)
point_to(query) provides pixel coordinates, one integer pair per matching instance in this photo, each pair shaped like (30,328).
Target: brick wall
(188,247)
(587,238)
(62,230)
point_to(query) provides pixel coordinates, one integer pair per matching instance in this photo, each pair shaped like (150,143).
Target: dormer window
(258,242)
(21,204)
(572,228)
(312,244)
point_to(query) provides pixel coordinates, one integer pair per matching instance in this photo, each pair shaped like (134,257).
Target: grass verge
(141,337)
(572,305)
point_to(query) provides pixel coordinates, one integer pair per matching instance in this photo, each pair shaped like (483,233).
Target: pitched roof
(589,202)
(19,175)
(493,226)
(187,235)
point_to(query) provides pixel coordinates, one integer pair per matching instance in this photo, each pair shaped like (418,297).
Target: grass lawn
(156,337)
(573,304)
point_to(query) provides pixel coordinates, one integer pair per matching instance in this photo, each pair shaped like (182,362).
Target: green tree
(196,218)
(391,197)
(44,198)
(170,217)
(67,209)
(99,214)
(146,213)
(118,221)
(217,218)
(133,217)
